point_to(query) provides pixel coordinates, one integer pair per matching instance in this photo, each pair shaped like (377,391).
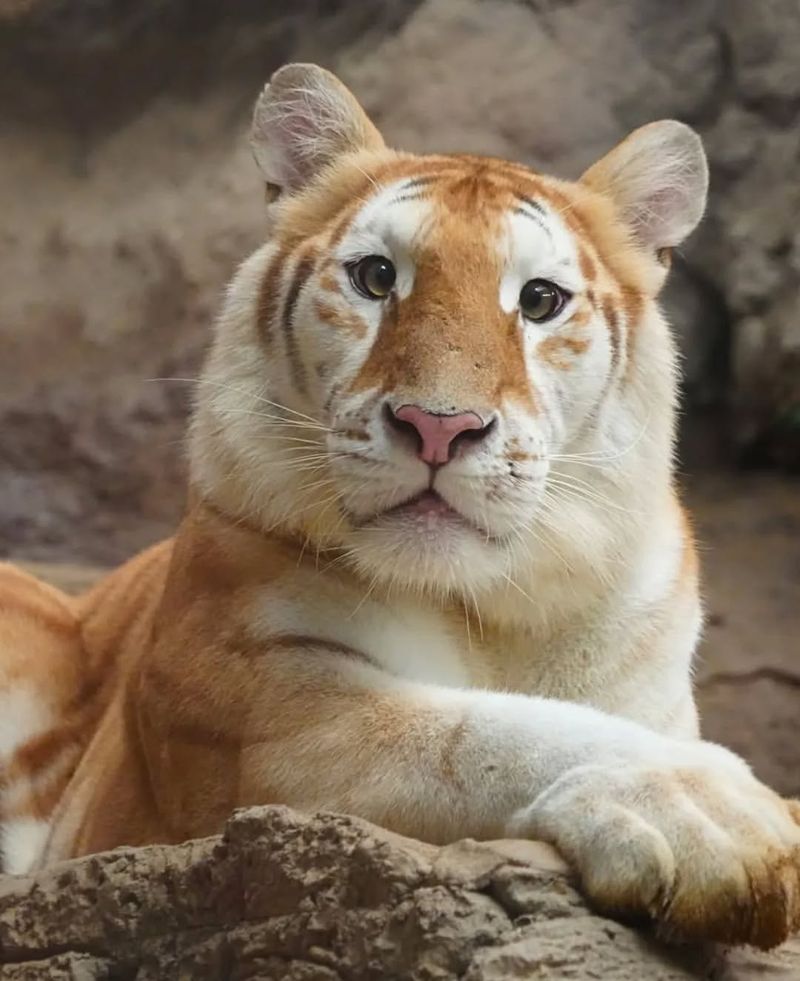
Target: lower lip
(429,507)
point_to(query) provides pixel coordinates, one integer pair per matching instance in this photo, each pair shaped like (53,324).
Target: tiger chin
(433,569)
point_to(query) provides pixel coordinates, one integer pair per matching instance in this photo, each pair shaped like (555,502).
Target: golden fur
(510,661)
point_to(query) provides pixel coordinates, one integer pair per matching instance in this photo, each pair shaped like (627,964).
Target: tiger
(433,569)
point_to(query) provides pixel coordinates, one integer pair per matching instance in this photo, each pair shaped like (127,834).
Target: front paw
(701,847)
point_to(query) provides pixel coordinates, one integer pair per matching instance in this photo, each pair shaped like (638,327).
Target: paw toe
(759,905)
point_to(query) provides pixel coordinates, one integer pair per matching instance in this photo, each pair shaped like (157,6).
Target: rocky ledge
(281,895)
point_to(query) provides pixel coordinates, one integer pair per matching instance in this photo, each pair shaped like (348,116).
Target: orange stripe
(347,319)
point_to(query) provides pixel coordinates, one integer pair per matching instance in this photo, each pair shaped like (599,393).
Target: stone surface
(748,673)
(291,897)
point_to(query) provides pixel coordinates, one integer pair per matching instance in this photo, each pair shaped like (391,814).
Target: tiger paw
(701,848)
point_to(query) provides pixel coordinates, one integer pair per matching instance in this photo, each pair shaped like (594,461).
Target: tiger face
(421,364)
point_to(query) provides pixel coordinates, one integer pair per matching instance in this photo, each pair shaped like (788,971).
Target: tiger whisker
(240,391)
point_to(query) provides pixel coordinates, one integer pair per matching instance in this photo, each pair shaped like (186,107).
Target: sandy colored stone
(325,897)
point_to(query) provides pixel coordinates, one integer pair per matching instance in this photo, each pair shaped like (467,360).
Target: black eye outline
(560,299)
(361,270)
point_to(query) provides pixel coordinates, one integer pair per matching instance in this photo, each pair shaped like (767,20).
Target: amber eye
(541,300)
(373,276)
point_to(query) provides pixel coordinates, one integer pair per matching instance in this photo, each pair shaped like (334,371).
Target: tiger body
(433,570)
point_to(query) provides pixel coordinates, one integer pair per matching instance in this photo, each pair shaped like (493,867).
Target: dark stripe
(416,188)
(408,197)
(612,320)
(422,181)
(269,296)
(342,224)
(526,214)
(532,203)
(303,270)
(43,749)
(307,641)
(335,389)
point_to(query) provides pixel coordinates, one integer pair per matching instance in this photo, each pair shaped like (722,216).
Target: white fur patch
(23,842)
(408,640)
(537,248)
(23,714)
(387,225)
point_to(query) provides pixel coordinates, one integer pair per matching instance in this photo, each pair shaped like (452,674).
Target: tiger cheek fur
(433,571)
(463,236)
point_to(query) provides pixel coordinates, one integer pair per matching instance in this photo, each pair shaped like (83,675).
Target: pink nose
(437,432)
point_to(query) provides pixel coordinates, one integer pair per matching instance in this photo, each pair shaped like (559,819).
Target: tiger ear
(658,179)
(304,120)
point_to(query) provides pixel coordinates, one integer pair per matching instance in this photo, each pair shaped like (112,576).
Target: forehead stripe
(416,189)
(532,203)
(408,197)
(422,181)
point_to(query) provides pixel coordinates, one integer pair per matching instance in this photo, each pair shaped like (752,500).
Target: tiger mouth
(424,504)
(429,511)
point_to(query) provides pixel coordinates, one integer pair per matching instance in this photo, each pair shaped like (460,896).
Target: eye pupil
(540,300)
(374,276)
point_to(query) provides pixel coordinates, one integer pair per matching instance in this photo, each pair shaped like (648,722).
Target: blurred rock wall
(128,196)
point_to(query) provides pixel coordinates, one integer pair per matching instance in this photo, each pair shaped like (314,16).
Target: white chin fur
(440,557)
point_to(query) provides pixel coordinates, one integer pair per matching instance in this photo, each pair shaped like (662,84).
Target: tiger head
(445,368)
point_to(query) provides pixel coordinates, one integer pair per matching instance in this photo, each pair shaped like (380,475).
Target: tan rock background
(127,196)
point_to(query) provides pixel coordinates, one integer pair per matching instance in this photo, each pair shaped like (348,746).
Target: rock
(762,38)
(748,681)
(281,895)
(128,196)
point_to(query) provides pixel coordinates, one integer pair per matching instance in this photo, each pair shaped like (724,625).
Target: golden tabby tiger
(433,570)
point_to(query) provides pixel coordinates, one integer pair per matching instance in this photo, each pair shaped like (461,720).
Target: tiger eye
(373,276)
(541,300)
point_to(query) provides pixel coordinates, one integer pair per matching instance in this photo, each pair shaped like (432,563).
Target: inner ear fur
(304,120)
(658,180)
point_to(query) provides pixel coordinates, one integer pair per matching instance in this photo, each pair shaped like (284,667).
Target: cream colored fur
(515,662)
